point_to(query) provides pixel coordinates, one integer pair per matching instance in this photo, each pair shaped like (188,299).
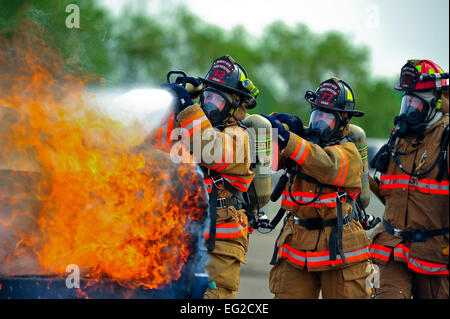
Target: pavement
(254,282)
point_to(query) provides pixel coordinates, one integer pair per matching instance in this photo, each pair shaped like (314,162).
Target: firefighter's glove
(181,96)
(283,134)
(294,123)
(193,86)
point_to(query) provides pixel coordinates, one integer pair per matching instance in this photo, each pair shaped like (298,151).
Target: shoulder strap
(443,160)
(212,217)
(279,216)
(233,190)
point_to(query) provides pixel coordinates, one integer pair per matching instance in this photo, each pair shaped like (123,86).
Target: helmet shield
(414,108)
(408,77)
(221,72)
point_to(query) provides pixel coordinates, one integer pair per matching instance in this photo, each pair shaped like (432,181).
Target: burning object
(76,188)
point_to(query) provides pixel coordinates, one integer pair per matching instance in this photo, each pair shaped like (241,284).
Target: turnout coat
(415,204)
(339,167)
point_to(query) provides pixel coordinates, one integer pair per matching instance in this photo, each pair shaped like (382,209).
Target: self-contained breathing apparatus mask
(217,105)
(332,98)
(416,111)
(323,127)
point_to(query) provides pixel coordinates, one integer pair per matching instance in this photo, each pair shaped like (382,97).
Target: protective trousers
(398,282)
(288,282)
(225,260)
(224,272)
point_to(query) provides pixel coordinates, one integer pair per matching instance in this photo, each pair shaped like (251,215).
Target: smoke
(142,107)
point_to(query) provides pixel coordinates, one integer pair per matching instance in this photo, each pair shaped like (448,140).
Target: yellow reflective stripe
(242,77)
(349,95)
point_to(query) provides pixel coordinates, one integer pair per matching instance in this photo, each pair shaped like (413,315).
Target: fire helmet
(334,95)
(327,123)
(422,82)
(229,76)
(411,72)
(224,78)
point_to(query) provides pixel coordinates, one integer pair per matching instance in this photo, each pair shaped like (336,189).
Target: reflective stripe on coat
(401,253)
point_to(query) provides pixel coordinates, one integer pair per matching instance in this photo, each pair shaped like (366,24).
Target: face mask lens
(414,108)
(217,100)
(322,120)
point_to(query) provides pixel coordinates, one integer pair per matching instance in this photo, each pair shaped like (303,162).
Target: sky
(394,30)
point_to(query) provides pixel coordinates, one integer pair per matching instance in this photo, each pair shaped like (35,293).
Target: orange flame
(112,210)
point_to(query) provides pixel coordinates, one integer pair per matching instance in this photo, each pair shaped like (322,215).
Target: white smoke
(145,106)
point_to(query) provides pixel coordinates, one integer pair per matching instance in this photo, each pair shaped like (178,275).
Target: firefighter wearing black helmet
(322,246)
(214,126)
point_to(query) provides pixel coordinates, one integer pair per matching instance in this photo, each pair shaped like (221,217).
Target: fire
(98,201)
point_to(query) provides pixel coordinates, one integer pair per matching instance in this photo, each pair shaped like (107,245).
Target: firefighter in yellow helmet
(411,245)
(213,126)
(322,245)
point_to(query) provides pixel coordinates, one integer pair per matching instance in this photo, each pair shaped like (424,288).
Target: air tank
(358,136)
(260,131)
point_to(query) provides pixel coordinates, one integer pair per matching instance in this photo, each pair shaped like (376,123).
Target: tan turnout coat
(339,166)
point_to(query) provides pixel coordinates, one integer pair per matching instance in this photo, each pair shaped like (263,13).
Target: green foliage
(84,49)
(137,49)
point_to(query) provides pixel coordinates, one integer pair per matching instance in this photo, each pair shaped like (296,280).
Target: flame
(103,205)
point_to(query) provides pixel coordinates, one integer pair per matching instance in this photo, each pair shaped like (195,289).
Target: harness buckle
(221,203)
(413,181)
(341,195)
(397,232)
(418,235)
(317,202)
(218,181)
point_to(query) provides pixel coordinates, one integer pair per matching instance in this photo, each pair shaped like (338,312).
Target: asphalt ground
(254,282)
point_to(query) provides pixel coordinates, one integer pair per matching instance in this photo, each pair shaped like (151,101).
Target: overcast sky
(394,30)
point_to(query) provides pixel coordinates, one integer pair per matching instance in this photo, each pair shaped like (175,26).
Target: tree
(139,49)
(85,50)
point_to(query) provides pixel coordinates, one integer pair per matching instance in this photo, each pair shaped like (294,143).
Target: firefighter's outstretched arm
(331,165)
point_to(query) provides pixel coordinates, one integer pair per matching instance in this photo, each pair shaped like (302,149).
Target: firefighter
(409,246)
(322,246)
(214,126)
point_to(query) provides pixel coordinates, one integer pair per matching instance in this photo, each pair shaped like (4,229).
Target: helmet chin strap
(234,107)
(344,122)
